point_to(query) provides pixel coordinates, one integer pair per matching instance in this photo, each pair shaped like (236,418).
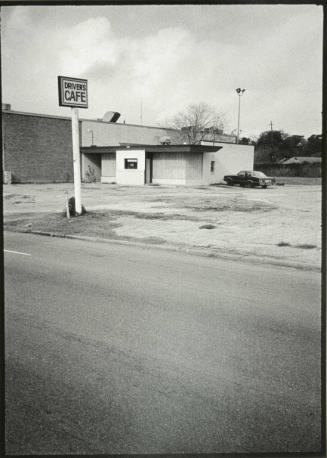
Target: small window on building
(212,166)
(130,163)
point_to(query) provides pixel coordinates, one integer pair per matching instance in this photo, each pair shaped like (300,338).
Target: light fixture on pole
(92,136)
(240,92)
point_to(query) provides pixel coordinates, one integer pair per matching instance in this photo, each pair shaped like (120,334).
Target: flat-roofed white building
(166,164)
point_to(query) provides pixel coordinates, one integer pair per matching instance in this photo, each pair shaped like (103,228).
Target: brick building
(37,148)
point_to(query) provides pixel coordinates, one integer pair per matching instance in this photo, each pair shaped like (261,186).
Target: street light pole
(240,92)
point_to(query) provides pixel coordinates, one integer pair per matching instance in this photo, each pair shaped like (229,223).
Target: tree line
(275,145)
(199,122)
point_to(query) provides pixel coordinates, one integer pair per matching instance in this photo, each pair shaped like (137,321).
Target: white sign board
(72,92)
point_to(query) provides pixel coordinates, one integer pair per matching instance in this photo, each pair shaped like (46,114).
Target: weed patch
(153,240)
(11,196)
(154,216)
(164,217)
(236,205)
(207,226)
(283,244)
(306,246)
(92,224)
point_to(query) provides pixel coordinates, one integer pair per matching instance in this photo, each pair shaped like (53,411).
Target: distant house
(301,160)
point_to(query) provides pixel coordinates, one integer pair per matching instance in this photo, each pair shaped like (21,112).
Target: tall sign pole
(76,161)
(73,93)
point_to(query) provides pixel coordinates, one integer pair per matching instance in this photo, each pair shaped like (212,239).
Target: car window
(241,174)
(259,174)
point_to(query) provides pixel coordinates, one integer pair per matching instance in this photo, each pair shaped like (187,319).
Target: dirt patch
(20,199)
(153,240)
(19,196)
(97,224)
(159,199)
(24,202)
(234,205)
(91,224)
(165,217)
(154,216)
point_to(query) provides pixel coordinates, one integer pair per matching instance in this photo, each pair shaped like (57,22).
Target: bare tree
(197,123)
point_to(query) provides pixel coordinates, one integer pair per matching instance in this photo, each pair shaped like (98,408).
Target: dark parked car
(249,179)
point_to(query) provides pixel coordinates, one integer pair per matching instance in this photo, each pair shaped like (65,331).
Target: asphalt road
(117,349)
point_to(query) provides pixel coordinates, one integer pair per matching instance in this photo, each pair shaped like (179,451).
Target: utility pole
(271,140)
(141,108)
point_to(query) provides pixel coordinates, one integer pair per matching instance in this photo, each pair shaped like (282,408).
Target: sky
(150,62)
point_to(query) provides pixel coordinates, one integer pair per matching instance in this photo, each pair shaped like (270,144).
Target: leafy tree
(197,122)
(293,145)
(272,138)
(270,145)
(276,145)
(313,145)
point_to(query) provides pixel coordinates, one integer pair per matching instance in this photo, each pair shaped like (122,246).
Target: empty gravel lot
(281,224)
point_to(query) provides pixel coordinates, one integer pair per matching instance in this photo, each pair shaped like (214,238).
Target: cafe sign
(72,92)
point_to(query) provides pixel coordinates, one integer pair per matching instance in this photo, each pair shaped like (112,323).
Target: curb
(250,259)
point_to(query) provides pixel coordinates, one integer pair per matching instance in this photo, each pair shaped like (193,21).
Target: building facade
(167,164)
(38,149)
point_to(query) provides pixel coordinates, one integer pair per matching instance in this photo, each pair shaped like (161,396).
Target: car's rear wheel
(264,186)
(229,183)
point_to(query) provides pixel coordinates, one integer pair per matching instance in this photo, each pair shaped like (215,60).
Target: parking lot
(281,224)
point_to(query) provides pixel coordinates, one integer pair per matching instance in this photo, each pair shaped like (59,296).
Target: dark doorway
(148,168)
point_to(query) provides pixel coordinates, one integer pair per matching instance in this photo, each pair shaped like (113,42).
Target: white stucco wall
(207,176)
(130,176)
(230,159)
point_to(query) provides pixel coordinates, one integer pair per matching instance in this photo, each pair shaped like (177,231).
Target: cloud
(88,44)
(168,68)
